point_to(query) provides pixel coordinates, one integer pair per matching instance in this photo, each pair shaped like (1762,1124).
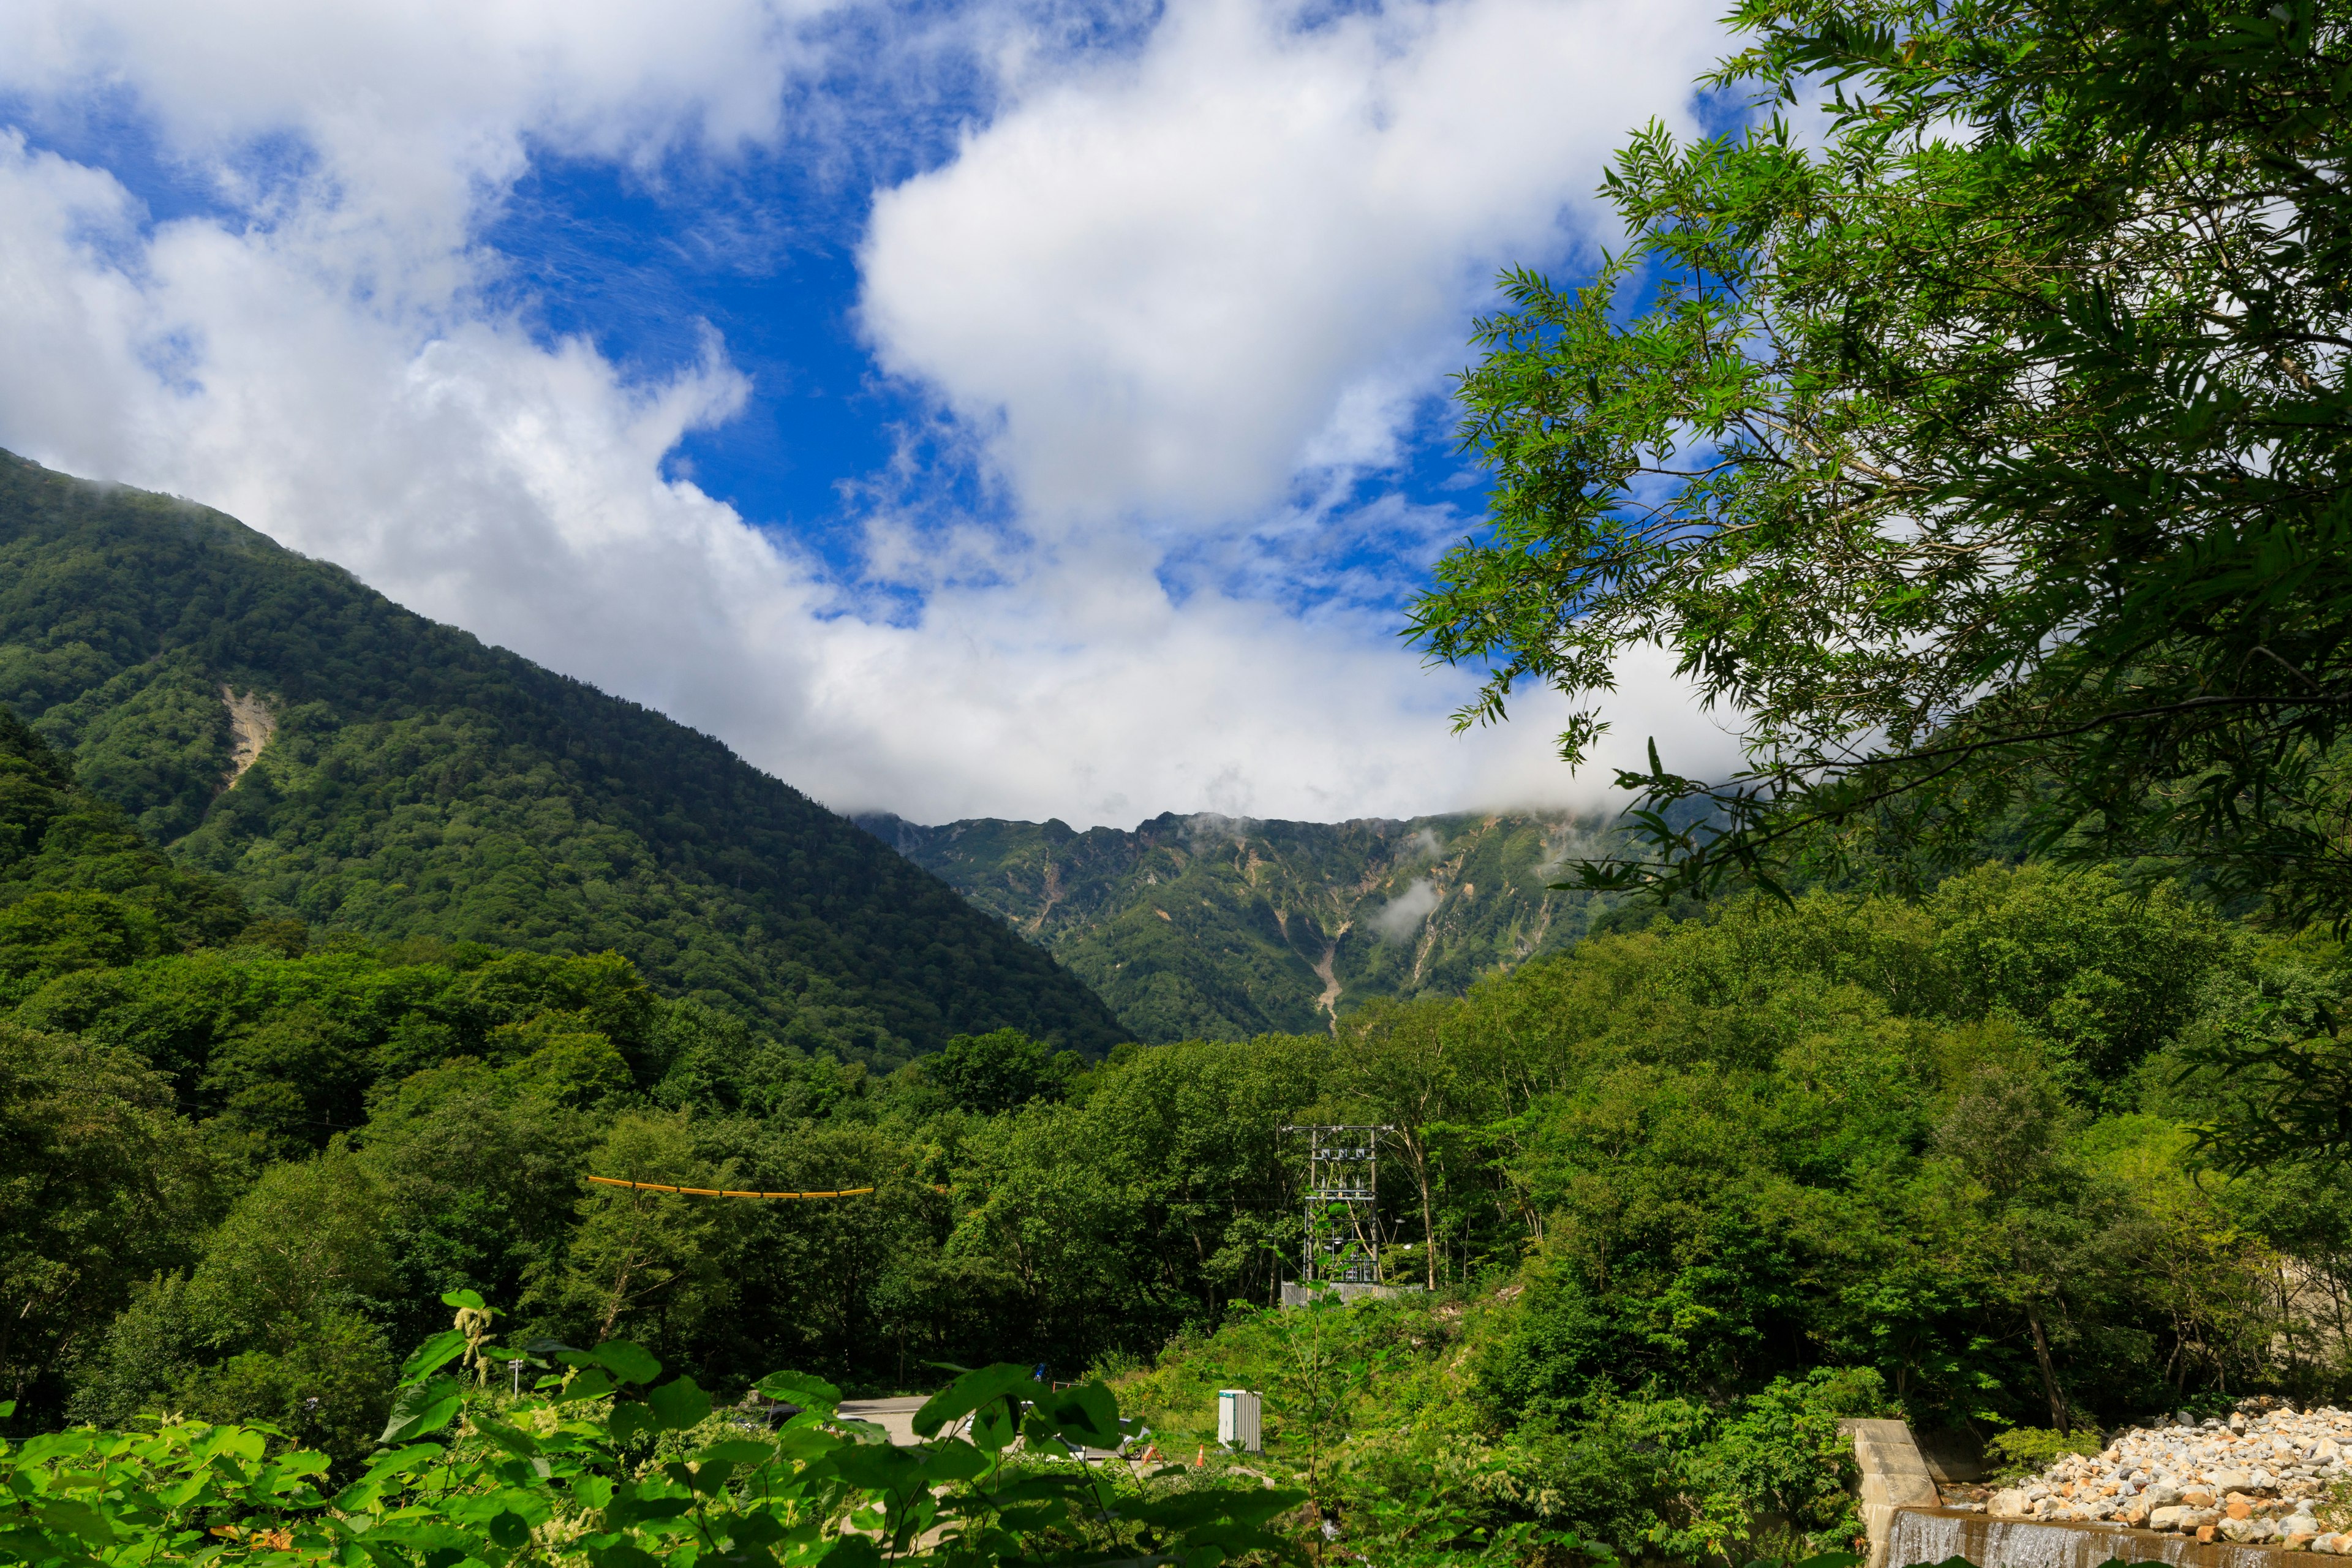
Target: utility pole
(1342,1239)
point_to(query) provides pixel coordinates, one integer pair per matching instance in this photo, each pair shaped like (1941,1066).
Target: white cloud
(1400,920)
(321,362)
(1169,283)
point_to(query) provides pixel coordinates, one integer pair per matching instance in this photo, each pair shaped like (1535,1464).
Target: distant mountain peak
(1212,926)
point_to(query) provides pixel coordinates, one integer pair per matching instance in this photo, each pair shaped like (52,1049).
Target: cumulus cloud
(1170,282)
(318,352)
(1400,920)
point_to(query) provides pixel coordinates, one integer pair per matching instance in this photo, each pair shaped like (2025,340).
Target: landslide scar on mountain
(250,727)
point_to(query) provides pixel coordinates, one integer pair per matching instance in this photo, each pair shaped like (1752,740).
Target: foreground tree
(1988,460)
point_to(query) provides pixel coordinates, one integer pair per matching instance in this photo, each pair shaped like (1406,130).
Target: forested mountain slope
(405,780)
(1215,928)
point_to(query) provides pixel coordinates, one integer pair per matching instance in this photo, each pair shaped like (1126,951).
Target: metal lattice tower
(1341,1244)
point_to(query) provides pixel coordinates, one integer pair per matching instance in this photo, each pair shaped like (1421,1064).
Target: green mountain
(1212,928)
(340,760)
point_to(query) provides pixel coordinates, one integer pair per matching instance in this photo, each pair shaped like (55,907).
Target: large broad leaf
(743,1554)
(956,1461)
(851,1552)
(679,1405)
(464,1299)
(628,1362)
(423,1535)
(623,1555)
(969,1392)
(629,1420)
(799,1388)
(994,1428)
(1087,1416)
(421,1408)
(746,1453)
(593,1383)
(69,1516)
(1193,1510)
(877,1466)
(521,1444)
(432,1356)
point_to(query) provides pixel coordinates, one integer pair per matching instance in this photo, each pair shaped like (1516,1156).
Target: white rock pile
(2256,1479)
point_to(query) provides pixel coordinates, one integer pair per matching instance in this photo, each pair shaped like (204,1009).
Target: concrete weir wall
(1917,1535)
(1892,1475)
(1900,1509)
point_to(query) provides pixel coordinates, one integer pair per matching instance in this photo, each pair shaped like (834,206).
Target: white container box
(1237,1416)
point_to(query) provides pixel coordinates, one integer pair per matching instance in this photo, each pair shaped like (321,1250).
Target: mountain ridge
(1205,926)
(419,782)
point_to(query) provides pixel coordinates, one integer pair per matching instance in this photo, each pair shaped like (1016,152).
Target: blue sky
(1001,409)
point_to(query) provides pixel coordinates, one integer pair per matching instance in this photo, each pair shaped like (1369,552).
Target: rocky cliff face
(1214,927)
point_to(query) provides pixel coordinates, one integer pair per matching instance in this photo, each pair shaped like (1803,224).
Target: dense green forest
(416,784)
(1740,1174)
(1981,459)
(1218,928)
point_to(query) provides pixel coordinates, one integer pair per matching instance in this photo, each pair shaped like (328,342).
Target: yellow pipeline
(720,1193)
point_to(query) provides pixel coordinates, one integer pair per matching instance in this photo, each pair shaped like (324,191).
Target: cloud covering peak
(1135,335)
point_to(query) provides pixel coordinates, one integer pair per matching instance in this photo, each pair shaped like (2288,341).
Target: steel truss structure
(1341,1243)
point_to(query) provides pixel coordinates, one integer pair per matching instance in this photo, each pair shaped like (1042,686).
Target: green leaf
(592,1384)
(679,1405)
(800,1388)
(850,1552)
(757,1529)
(1086,1414)
(432,1356)
(510,1529)
(736,1451)
(877,1466)
(994,1428)
(521,1444)
(69,1516)
(422,1408)
(628,1362)
(953,1459)
(623,1556)
(631,1420)
(468,1298)
(970,1391)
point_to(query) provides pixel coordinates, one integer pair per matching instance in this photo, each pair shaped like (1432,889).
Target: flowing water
(1920,1536)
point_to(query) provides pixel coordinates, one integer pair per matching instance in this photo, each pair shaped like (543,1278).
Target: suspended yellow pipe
(721,1193)
(717,1193)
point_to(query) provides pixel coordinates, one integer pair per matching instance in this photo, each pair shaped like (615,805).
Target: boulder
(2010,1504)
(2172,1517)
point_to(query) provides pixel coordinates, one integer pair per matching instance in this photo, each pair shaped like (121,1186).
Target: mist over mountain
(1210,926)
